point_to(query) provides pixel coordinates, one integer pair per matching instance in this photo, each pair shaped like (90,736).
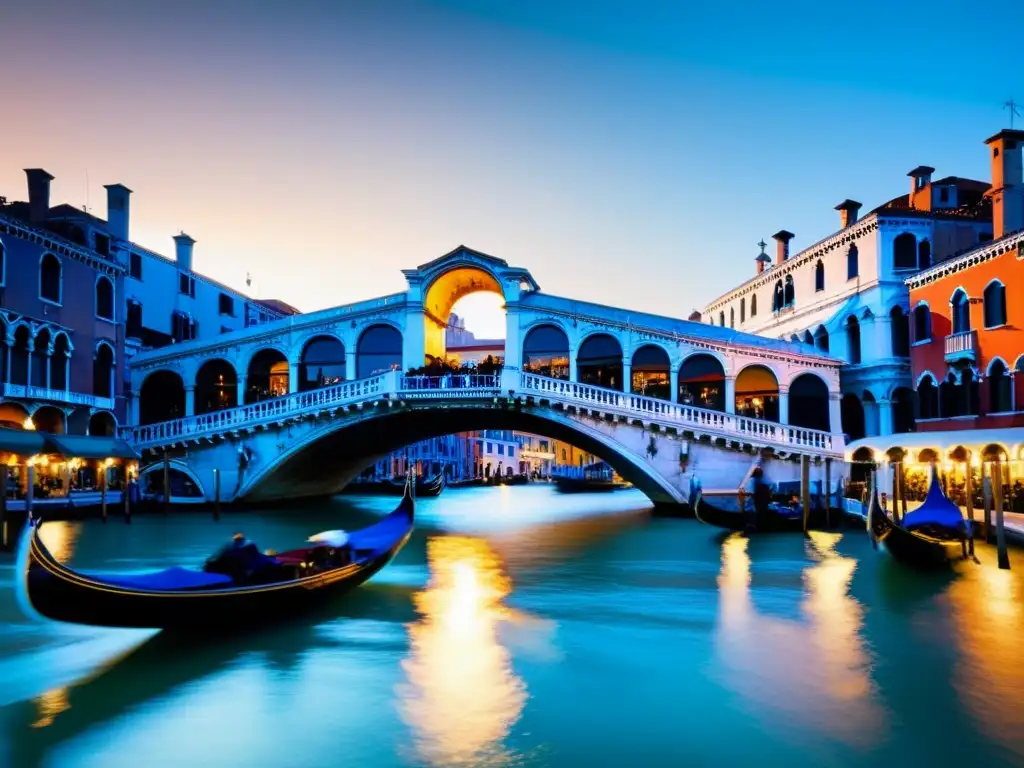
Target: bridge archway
(342,451)
(599,361)
(442,294)
(546,351)
(757,393)
(161,398)
(267,376)
(216,386)
(322,363)
(702,382)
(649,372)
(809,402)
(378,350)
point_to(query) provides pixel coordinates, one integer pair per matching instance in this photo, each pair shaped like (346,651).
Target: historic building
(78,299)
(846,294)
(967,316)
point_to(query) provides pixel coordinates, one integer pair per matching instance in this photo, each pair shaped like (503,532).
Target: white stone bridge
(300,406)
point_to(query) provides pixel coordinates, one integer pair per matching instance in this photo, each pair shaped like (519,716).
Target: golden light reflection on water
(49,705)
(987,606)
(817,669)
(461,696)
(60,538)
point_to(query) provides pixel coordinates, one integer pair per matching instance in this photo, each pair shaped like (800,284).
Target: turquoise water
(521,627)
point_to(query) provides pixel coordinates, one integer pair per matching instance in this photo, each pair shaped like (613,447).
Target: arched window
(753,305)
(789,293)
(104,298)
(650,372)
(721,318)
(821,338)
(732,317)
(133,320)
(103,371)
(743,310)
(599,362)
(60,362)
(961,310)
(702,382)
(809,402)
(852,340)
(948,405)
(899,330)
(50,288)
(778,298)
(808,338)
(183,326)
(995,304)
(161,398)
(922,323)
(819,276)
(904,251)
(757,393)
(924,254)
(999,387)
(927,398)
(852,268)
(216,386)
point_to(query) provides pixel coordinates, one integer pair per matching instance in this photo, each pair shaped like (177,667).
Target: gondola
(727,513)
(933,535)
(229,592)
(425,487)
(588,484)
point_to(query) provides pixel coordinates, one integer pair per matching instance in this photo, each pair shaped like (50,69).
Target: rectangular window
(944,195)
(186,285)
(102,244)
(227,305)
(501,449)
(135,266)
(133,320)
(489,449)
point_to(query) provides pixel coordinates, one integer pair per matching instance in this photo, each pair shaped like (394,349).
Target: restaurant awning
(1010,438)
(24,442)
(83,447)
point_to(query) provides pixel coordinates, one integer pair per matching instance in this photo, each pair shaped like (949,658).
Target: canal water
(520,627)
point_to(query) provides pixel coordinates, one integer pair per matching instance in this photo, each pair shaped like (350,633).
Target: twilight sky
(629,153)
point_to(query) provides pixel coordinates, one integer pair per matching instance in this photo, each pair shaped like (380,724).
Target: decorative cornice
(59,246)
(989,251)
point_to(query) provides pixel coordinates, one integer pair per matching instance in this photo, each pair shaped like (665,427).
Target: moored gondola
(755,513)
(933,535)
(238,587)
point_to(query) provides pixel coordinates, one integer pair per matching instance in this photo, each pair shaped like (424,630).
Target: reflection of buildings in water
(461,696)
(818,672)
(987,606)
(49,705)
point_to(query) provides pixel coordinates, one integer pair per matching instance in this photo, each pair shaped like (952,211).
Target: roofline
(983,253)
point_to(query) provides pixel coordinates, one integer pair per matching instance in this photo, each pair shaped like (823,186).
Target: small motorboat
(933,535)
(238,586)
(737,511)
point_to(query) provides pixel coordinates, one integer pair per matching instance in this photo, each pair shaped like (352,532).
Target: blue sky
(626,153)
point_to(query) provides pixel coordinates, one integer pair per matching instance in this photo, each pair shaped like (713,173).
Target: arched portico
(702,382)
(162,397)
(757,393)
(546,351)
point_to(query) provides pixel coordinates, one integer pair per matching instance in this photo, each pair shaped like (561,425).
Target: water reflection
(461,696)
(825,672)
(60,538)
(51,704)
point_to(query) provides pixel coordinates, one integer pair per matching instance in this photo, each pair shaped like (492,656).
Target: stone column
(190,400)
(627,376)
(673,384)
(414,342)
(513,344)
(293,377)
(67,373)
(783,405)
(243,381)
(133,408)
(730,394)
(49,364)
(882,344)
(885,425)
(573,373)
(835,412)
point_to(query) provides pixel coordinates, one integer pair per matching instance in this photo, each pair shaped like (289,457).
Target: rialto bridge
(300,406)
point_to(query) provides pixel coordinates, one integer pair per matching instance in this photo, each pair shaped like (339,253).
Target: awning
(23,442)
(83,447)
(1010,438)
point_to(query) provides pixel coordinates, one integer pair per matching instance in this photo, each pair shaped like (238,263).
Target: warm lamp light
(29,424)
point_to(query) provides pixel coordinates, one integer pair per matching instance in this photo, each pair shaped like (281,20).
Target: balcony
(962,347)
(56,396)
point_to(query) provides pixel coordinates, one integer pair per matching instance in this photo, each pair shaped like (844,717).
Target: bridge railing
(743,427)
(294,404)
(454,386)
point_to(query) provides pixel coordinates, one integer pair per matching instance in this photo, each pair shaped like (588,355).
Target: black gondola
(756,515)
(425,487)
(931,536)
(227,593)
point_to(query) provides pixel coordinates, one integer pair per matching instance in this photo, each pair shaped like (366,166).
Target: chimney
(921,188)
(38,195)
(118,206)
(782,238)
(1007,191)
(762,259)
(848,210)
(183,250)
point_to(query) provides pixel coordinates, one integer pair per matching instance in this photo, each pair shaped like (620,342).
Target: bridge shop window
(819,276)
(702,382)
(162,397)
(546,352)
(599,362)
(809,402)
(322,363)
(216,386)
(267,376)
(379,350)
(650,372)
(757,393)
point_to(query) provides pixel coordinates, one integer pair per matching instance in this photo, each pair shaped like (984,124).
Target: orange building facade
(967,316)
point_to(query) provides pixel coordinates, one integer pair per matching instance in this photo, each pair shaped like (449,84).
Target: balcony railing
(57,396)
(962,347)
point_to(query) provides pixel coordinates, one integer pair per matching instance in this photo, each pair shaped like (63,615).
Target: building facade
(846,294)
(967,316)
(78,299)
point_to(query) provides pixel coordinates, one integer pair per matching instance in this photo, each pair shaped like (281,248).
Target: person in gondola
(762,498)
(241,559)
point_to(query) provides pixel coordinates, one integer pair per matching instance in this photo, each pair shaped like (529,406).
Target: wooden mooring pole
(103,491)
(167,482)
(805,487)
(997,499)
(4,474)
(828,493)
(216,494)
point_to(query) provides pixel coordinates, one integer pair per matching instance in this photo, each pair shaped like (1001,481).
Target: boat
(933,535)
(588,484)
(228,592)
(425,487)
(736,511)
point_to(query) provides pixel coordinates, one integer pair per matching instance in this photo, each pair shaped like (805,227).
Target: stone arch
(216,386)
(702,381)
(821,338)
(161,397)
(267,375)
(904,251)
(757,392)
(378,350)
(599,361)
(809,402)
(50,418)
(443,291)
(322,362)
(103,370)
(852,414)
(927,397)
(42,344)
(19,351)
(184,482)
(104,298)
(649,372)
(922,321)
(808,338)
(13,415)
(546,350)
(103,424)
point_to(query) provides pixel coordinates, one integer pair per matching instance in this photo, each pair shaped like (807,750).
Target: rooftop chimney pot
(782,238)
(118,208)
(183,251)
(38,195)
(848,211)
(1007,190)
(921,188)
